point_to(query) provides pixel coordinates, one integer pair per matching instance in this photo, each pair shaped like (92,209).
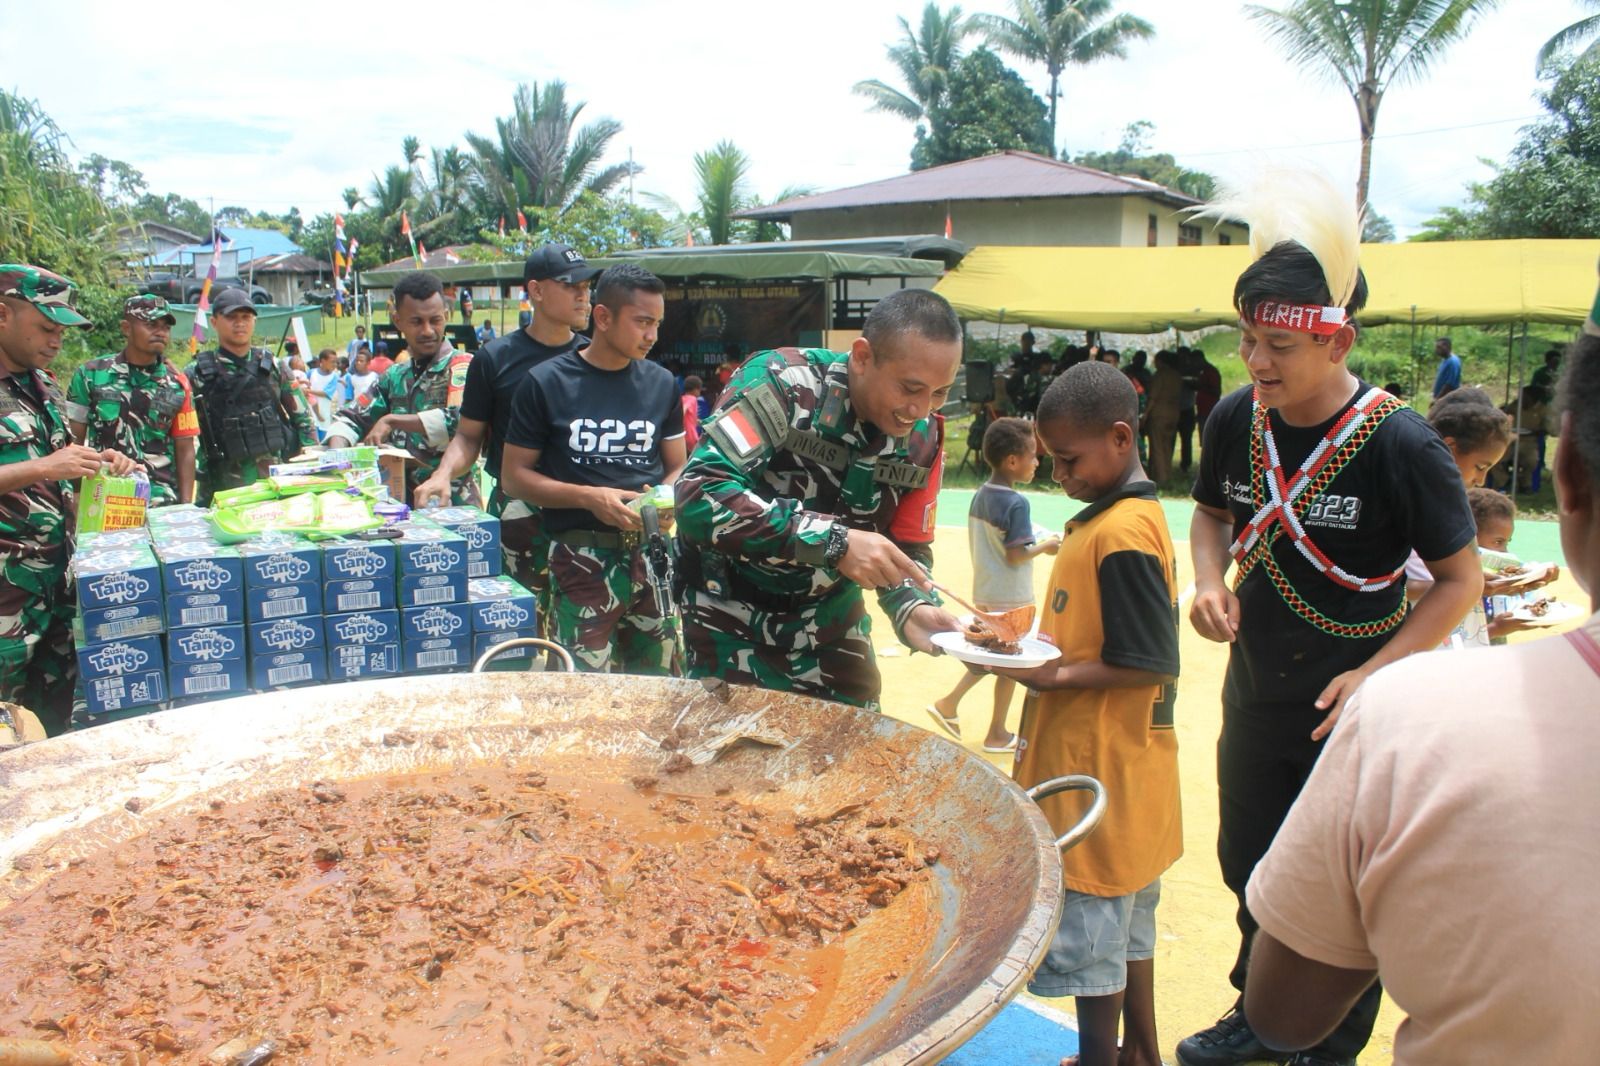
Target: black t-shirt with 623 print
(1400,492)
(596,427)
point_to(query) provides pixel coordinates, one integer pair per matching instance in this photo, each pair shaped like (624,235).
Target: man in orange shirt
(1104,708)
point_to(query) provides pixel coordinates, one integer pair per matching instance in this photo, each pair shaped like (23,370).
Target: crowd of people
(1368,795)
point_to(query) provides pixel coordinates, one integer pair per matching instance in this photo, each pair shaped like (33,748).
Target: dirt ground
(1197,935)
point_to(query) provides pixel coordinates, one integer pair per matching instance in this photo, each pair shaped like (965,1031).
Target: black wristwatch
(838,544)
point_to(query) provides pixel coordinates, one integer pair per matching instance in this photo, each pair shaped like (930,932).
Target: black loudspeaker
(980,382)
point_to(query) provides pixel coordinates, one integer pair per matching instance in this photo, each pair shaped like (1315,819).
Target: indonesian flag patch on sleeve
(738,431)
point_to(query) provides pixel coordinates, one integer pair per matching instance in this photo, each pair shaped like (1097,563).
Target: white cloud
(294,111)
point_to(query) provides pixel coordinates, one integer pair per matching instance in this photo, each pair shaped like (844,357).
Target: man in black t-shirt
(558,280)
(1319,602)
(589,430)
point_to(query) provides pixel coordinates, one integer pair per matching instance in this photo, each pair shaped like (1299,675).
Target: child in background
(692,388)
(1000,537)
(1105,709)
(1496,516)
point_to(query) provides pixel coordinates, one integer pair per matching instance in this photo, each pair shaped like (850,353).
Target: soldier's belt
(724,583)
(622,540)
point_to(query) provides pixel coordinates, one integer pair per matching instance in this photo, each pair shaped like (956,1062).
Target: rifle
(659,571)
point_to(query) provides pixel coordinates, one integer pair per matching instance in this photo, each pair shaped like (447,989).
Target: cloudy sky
(280,109)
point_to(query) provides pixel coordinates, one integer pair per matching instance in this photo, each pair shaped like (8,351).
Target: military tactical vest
(241,415)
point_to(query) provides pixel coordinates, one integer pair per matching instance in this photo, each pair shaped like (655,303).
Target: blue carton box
(511,658)
(122,674)
(480,530)
(437,653)
(422,590)
(116,577)
(280,560)
(189,565)
(113,539)
(441,620)
(194,682)
(426,548)
(206,644)
(485,564)
(350,662)
(500,604)
(269,602)
(349,559)
(101,624)
(342,597)
(363,627)
(177,515)
(283,669)
(286,634)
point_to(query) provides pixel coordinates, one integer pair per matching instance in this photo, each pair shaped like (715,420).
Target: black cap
(558,262)
(230,300)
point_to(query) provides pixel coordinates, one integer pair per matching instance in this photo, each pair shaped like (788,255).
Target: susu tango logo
(476,536)
(436,622)
(117,659)
(202,575)
(504,615)
(283,569)
(360,629)
(435,558)
(206,645)
(288,635)
(118,588)
(357,562)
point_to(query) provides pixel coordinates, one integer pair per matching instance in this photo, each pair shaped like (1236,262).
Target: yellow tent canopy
(1152,290)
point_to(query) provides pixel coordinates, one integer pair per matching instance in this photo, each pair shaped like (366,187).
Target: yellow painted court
(1198,937)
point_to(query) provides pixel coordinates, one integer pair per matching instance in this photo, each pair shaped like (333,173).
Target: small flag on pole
(947,227)
(422,253)
(204,307)
(405,231)
(451,257)
(502,225)
(522,222)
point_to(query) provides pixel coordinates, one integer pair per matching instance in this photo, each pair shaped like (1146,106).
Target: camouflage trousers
(38,666)
(602,610)
(525,548)
(822,649)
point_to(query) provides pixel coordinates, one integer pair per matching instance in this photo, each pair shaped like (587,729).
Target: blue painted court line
(1025,1033)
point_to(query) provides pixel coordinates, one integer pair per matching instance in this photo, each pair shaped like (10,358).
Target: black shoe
(1228,1043)
(1317,1058)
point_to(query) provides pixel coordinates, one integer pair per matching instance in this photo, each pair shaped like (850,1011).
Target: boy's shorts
(1097,938)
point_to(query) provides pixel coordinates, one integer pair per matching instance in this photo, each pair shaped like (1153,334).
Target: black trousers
(1264,756)
(1186,427)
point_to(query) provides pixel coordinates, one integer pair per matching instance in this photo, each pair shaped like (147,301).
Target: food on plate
(501,915)
(980,633)
(1539,608)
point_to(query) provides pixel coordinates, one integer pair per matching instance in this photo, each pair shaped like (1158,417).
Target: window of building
(1188,235)
(1223,238)
(1153,229)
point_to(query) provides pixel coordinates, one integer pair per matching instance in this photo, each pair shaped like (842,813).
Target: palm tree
(721,174)
(1573,35)
(540,156)
(411,148)
(351,197)
(390,195)
(1367,46)
(1059,32)
(925,59)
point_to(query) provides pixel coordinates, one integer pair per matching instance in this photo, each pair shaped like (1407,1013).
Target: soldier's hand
(70,463)
(923,622)
(121,465)
(436,487)
(611,507)
(379,433)
(873,562)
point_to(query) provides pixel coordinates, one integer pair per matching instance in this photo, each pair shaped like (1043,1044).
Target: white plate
(1555,614)
(1034,652)
(1531,572)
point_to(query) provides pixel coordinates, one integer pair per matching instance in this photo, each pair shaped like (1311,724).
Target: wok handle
(568,666)
(1091,817)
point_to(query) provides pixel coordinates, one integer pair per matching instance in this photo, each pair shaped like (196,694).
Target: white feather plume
(1281,203)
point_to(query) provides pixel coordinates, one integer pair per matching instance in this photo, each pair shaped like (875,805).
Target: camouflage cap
(51,293)
(147,308)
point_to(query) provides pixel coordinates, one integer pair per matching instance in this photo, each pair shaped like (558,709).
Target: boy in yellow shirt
(1105,709)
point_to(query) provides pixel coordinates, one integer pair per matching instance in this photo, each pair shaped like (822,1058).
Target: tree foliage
(1366,46)
(600,225)
(1550,185)
(1059,33)
(1134,157)
(924,59)
(1586,32)
(988,108)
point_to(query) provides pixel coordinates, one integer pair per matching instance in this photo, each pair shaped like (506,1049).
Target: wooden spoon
(1009,626)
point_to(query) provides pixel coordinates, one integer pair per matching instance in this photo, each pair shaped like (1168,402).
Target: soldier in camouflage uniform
(38,463)
(784,504)
(138,404)
(251,415)
(415,404)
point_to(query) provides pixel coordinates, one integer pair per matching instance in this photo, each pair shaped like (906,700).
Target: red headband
(1314,319)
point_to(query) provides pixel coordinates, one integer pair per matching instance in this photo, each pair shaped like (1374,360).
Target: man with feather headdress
(1317,486)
